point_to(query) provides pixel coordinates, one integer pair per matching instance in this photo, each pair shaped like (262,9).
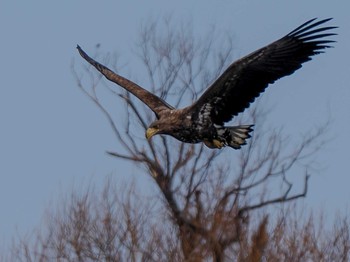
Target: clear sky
(52,138)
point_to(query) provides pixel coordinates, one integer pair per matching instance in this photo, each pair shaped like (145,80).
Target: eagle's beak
(151,132)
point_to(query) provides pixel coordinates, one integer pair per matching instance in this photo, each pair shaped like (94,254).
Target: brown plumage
(232,92)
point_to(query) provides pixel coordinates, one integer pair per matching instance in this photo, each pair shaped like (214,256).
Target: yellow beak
(151,132)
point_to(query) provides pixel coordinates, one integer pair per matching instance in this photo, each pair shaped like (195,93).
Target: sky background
(53,139)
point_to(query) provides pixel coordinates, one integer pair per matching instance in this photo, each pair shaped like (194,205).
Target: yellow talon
(214,143)
(218,144)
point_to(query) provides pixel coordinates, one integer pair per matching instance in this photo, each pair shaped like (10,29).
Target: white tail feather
(237,135)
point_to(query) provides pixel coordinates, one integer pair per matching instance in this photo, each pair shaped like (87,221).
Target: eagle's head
(171,122)
(158,127)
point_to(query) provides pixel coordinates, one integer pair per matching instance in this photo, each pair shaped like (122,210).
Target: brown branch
(282,199)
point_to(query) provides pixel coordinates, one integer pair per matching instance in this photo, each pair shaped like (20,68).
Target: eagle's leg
(214,143)
(218,144)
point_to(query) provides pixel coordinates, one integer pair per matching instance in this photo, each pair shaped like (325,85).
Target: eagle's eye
(155,125)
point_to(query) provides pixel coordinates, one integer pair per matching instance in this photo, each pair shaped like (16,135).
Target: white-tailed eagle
(232,92)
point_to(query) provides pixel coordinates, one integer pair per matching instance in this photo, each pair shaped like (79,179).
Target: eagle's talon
(218,144)
(214,144)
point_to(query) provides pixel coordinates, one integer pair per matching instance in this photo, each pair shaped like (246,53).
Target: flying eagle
(232,92)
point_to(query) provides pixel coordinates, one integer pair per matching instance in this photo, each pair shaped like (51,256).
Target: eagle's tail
(236,136)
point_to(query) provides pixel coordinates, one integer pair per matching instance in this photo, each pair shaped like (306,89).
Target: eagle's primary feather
(232,92)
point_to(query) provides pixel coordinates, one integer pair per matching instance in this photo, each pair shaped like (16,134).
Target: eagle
(232,92)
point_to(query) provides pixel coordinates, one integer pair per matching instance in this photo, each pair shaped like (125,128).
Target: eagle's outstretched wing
(246,78)
(155,103)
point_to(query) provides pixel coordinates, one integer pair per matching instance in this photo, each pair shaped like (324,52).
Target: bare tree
(207,198)
(117,224)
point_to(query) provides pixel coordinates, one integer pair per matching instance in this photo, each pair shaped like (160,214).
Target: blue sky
(52,138)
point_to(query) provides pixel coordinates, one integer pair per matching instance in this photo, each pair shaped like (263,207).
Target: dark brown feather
(246,78)
(155,103)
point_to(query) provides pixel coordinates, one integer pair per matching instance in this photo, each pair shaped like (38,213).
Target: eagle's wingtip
(81,52)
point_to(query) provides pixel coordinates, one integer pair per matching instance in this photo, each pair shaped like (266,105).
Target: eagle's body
(180,125)
(231,93)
